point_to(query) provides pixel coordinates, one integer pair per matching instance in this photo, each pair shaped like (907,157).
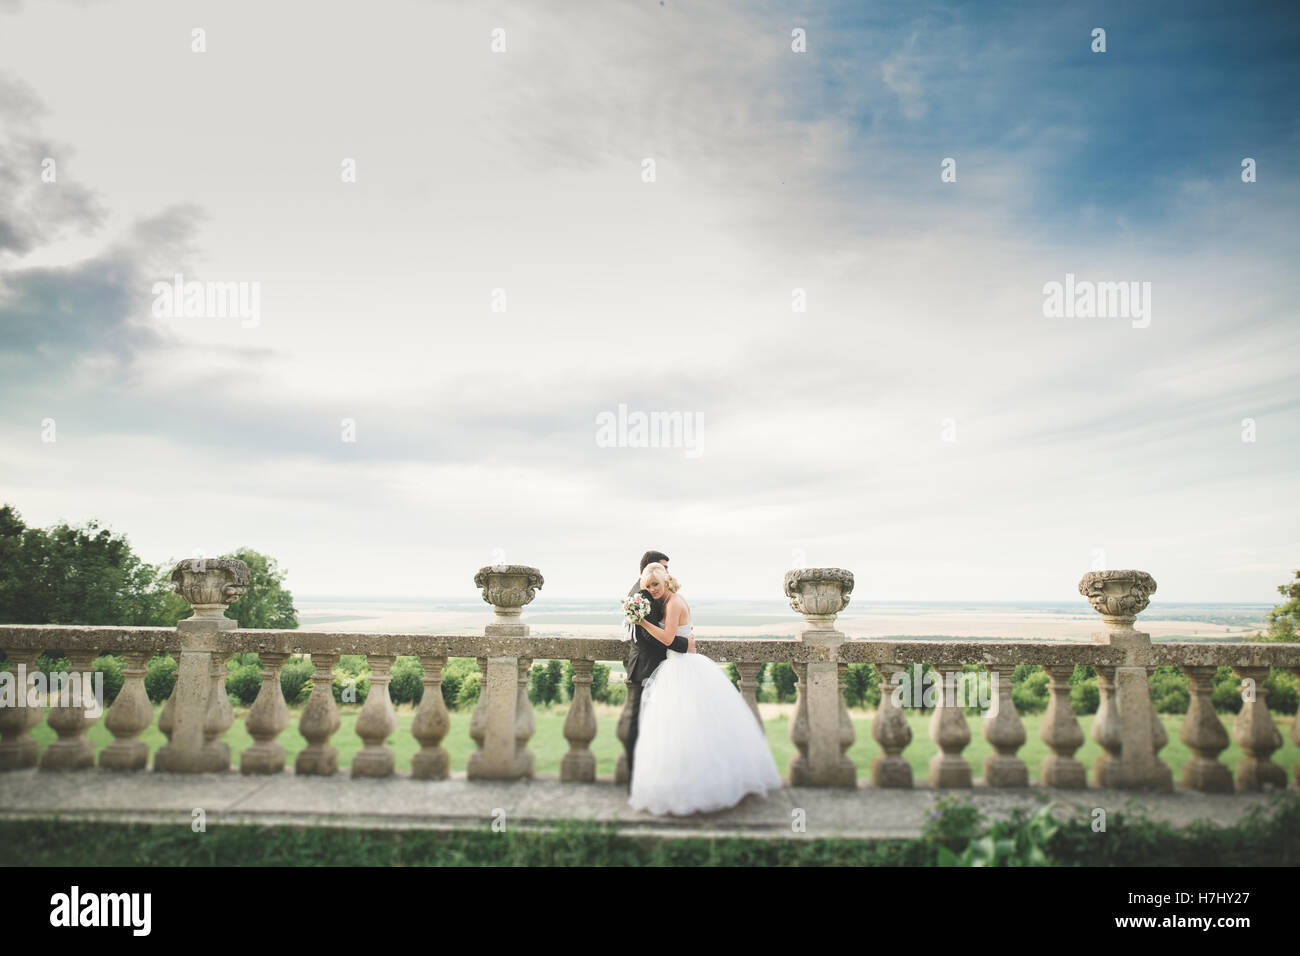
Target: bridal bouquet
(635,608)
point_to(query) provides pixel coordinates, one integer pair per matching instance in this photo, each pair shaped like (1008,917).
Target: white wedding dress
(699,747)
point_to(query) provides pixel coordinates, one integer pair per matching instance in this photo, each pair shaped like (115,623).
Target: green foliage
(1014,842)
(407,685)
(616,694)
(861,686)
(160,677)
(1284,619)
(453,679)
(295,680)
(243,680)
(1030,691)
(1169,691)
(951,822)
(1085,695)
(784,680)
(355,685)
(546,682)
(74,575)
(111,667)
(467,695)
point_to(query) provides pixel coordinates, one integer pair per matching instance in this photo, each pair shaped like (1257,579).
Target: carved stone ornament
(508,587)
(211,583)
(819,593)
(1118,596)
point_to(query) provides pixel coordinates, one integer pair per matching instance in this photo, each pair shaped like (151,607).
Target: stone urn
(210,584)
(508,587)
(1118,596)
(819,594)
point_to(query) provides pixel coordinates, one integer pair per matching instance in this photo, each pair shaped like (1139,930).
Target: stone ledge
(403,803)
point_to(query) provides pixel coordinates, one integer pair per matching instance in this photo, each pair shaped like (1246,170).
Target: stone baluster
(819,594)
(1061,732)
(71,714)
(266,720)
(193,719)
(579,764)
(216,752)
(1105,730)
(503,753)
(748,685)
(376,722)
(18,748)
(319,721)
(1295,738)
(478,721)
(1119,597)
(892,732)
(167,716)
(799,768)
(847,734)
(951,734)
(1257,736)
(1202,731)
(1005,732)
(128,717)
(431,724)
(525,723)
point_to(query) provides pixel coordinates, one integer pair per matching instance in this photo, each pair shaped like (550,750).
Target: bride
(699,747)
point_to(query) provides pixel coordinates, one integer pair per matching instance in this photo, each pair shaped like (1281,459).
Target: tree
(1284,619)
(267,603)
(74,575)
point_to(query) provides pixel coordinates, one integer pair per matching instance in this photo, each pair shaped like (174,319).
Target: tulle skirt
(699,747)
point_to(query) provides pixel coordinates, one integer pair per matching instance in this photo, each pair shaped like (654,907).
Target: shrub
(243,681)
(858,681)
(784,680)
(160,677)
(1169,691)
(358,686)
(295,680)
(352,665)
(616,694)
(111,666)
(467,696)
(407,685)
(1085,696)
(1031,694)
(1226,695)
(544,682)
(453,676)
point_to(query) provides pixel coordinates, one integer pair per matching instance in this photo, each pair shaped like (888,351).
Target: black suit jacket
(645,653)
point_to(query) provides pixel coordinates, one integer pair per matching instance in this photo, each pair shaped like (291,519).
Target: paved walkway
(400,802)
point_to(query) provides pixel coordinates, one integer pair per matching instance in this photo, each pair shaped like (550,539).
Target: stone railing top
(741,650)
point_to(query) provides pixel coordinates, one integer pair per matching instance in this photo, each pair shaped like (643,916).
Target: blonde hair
(657,572)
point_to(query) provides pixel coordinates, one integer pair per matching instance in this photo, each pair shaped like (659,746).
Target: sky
(860,338)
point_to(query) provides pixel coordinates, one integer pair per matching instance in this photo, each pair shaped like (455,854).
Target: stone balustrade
(198,713)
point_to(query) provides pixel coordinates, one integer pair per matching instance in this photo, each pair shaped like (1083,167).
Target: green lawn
(549,745)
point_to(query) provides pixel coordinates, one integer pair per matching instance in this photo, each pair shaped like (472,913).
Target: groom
(645,653)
